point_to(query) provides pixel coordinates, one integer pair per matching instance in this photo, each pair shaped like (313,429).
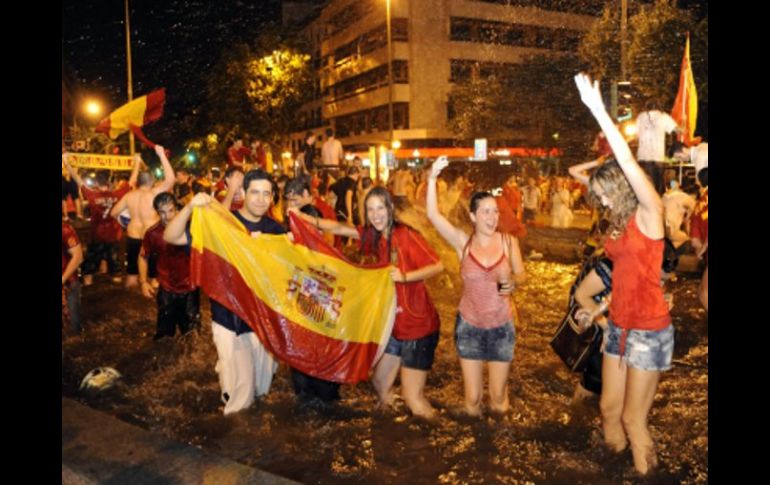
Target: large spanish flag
(134,114)
(685,110)
(309,307)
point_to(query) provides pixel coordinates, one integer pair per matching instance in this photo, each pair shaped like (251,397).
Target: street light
(93,107)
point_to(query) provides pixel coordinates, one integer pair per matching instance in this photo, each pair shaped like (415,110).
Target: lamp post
(128,63)
(390,86)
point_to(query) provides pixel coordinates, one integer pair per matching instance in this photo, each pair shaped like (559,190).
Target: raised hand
(200,199)
(589,92)
(439,165)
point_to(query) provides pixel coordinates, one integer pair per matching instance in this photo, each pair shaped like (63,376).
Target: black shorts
(96,252)
(415,354)
(132,254)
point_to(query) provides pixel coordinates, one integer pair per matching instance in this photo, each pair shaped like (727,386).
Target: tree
(254,89)
(277,84)
(656,39)
(655,51)
(477,108)
(535,101)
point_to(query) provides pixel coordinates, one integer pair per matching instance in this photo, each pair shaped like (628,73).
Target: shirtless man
(143,215)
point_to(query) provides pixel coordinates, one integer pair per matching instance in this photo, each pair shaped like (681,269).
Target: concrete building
(435,43)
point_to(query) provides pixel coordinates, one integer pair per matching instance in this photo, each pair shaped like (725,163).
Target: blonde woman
(639,340)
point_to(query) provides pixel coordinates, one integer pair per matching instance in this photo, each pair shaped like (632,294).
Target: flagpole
(128,62)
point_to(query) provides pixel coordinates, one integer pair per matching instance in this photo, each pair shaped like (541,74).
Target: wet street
(171,387)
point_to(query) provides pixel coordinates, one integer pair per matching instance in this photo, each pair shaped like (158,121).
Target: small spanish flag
(134,114)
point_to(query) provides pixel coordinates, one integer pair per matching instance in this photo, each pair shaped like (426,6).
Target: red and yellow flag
(685,111)
(309,307)
(138,113)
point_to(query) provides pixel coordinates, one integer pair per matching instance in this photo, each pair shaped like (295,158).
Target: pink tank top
(481,305)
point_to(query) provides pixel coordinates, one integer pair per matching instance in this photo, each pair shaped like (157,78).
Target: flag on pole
(309,307)
(133,115)
(685,111)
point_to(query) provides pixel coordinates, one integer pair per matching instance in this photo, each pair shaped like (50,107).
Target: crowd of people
(338,198)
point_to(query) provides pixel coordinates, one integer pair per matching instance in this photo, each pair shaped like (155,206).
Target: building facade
(435,43)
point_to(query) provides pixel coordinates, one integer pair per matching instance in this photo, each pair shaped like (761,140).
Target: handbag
(573,346)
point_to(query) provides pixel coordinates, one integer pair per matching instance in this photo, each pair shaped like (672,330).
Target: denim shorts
(415,354)
(488,344)
(644,349)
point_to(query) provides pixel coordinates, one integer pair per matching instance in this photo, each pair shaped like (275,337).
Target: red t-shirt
(104,228)
(173,263)
(416,317)
(69,239)
(237,155)
(637,298)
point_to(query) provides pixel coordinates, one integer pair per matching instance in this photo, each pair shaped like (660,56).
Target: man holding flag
(244,366)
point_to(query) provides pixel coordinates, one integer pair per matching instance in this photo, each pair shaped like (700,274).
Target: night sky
(172,43)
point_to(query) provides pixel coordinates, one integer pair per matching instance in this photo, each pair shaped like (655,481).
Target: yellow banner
(99,161)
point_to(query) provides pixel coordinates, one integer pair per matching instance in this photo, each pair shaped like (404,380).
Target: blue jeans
(644,349)
(488,344)
(415,354)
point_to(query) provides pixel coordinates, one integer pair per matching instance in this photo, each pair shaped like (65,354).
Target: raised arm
(135,170)
(234,184)
(168,171)
(454,236)
(175,232)
(73,173)
(327,225)
(649,200)
(580,171)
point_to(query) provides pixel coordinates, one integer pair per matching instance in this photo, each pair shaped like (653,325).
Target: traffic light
(624,101)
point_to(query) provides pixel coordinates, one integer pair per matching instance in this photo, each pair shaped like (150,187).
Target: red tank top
(480,304)
(637,298)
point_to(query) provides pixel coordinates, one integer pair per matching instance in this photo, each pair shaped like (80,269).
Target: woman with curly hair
(639,340)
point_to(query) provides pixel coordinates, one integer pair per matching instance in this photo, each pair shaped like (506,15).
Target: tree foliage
(656,38)
(536,100)
(479,108)
(254,89)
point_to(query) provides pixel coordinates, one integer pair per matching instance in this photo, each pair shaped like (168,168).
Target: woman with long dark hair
(415,334)
(639,340)
(490,266)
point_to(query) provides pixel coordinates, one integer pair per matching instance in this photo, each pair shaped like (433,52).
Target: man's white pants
(244,366)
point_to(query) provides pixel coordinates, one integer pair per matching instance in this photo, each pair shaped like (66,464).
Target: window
(501,33)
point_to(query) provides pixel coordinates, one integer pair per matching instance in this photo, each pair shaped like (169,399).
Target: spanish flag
(134,115)
(309,307)
(685,111)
